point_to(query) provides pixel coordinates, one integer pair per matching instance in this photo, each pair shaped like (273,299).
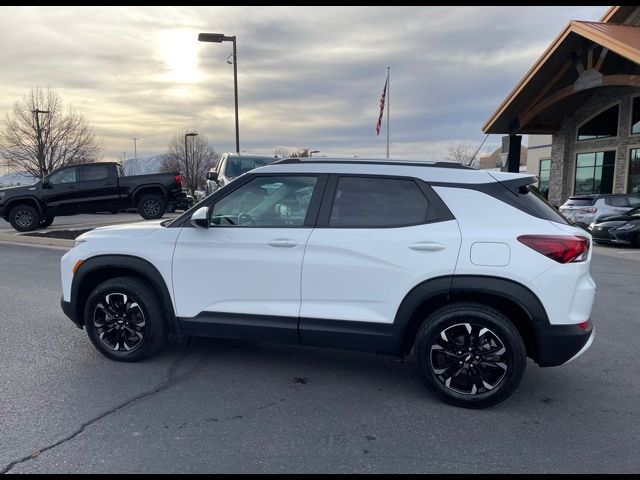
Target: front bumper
(560,344)
(70,309)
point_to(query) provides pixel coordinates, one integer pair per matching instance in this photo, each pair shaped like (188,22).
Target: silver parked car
(585,209)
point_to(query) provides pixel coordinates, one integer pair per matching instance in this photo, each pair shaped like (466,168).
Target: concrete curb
(22,239)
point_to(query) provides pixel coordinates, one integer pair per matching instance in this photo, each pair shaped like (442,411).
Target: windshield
(237,166)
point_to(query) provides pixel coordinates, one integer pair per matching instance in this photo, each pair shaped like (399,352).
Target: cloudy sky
(308,76)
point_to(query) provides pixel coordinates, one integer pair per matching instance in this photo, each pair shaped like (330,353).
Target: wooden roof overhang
(585,56)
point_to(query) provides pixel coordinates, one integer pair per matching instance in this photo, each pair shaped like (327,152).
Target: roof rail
(372,161)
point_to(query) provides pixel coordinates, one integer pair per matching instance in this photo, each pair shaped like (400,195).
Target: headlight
(2,194)
(628,226)
(78,242)
(591,225)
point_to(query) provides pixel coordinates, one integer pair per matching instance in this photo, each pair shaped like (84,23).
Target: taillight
(562,249)
(588,210)
(178,178)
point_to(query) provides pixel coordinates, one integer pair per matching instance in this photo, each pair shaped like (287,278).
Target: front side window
(635,116)
(266,202)
(544,177)
(604,125)
(68,175)
(237,166)
(95,172)
(377,202)
(594,173)
(633,185)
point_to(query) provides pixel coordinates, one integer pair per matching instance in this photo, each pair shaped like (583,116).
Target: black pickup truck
(88,188)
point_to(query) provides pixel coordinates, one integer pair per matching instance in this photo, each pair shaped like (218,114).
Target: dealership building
(581,103)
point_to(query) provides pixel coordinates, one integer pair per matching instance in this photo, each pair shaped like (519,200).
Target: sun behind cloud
(178,50)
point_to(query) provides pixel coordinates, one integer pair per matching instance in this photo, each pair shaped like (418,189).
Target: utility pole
(135,147)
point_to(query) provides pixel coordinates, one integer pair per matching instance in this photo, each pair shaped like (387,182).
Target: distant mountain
(16,178)
(142,165)
(132,166)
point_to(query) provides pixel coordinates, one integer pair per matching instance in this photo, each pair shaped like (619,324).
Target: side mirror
(200,218)
(46,183)
(212,176)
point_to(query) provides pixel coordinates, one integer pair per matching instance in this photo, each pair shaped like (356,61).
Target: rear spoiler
(515,183)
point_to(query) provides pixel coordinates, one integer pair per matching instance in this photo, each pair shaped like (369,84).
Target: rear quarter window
(537,206)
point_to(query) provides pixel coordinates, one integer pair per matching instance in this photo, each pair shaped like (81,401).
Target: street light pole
(219,38)
(135,147)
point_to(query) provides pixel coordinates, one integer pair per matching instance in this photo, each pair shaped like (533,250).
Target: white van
(231,165)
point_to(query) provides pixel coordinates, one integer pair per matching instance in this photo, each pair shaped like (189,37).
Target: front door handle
(427,246)
(283,242)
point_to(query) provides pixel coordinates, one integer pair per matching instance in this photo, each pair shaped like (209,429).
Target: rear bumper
(560,344)
(70,310)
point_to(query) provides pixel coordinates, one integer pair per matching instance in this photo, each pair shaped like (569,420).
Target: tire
(117,309)
(45,222)
(152,207)
(24,218)
(460,377)
(171,207)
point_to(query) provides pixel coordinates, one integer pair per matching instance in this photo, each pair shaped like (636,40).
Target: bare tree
(463,153)
(38,136)
(200,158)
(284,152)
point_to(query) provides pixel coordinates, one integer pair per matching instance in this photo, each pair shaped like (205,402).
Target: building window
(635,116)
(633,185)
(545,173)
(594,173)
(604,125)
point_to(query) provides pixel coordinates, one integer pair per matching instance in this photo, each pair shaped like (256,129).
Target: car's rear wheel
(152,207)
(470,355)
(124,320)
(24,218)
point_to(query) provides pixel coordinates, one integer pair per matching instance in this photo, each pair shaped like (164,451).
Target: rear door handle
(427,246)
(282,242)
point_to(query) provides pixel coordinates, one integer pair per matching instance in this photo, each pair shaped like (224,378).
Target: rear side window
(377,203)
(620,201)
(95,172)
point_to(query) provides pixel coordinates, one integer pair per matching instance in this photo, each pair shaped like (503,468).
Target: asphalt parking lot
(207,405)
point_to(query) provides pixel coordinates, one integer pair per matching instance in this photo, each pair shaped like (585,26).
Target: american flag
(382,100)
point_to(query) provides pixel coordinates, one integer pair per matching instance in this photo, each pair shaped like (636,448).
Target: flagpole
(388,105)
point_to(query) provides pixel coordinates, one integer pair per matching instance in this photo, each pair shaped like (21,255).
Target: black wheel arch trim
(509,289)
(154,188)
(32,201)
(451,285)
(136,265)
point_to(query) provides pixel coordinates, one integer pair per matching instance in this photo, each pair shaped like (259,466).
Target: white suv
(469,269)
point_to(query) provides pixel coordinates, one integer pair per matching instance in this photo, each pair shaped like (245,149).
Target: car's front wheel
(470,355)
(124,320)
(24,218)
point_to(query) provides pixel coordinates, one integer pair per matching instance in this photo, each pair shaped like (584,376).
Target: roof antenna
(474,155)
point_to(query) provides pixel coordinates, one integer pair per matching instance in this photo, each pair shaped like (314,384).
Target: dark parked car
(618,229)
(184,203)
(88,188)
